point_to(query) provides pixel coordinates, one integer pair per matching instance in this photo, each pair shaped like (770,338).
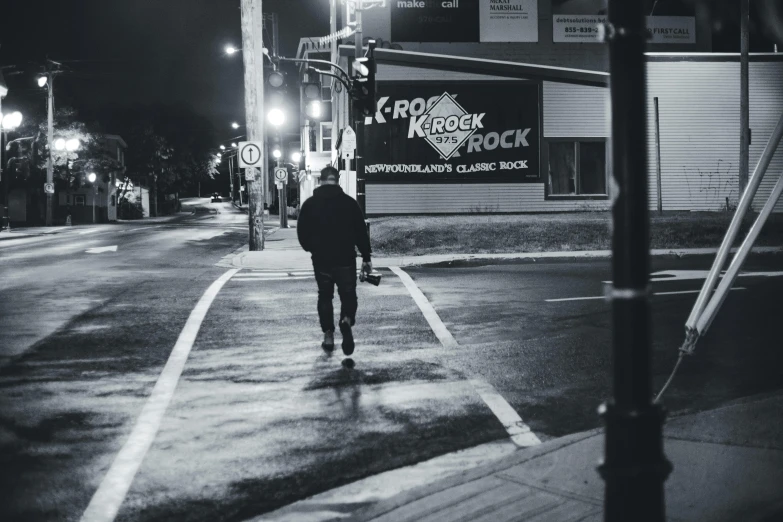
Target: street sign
(250,174)
(281,174)
(250,153)
(348,145)
(49,188)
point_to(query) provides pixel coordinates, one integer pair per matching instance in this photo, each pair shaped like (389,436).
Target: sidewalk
(282,252)
(728,466)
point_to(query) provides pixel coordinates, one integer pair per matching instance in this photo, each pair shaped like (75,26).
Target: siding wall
(467,198)
(575,110)
(699,126)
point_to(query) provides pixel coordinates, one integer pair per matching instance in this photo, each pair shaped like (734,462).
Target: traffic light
(364,86)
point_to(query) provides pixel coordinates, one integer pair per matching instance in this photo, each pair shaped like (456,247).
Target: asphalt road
(261,417)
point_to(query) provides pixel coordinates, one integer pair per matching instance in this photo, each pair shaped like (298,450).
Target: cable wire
(671,377)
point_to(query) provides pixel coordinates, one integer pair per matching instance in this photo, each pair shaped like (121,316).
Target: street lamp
(42,81)
(276,153)
(235,125)
(59,144)
(230,49)
(222,147)
(71,145)
(276,117)
(11,121)
(234,144)
(296,156)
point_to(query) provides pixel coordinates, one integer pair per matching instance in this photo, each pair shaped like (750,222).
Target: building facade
(528,130)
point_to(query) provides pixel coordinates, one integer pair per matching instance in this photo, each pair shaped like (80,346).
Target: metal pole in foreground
(658,158)
(634,467)
(253,58)
(744,160)
(50,141)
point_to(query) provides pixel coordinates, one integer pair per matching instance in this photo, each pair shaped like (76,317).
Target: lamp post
(8,122)
(91,177)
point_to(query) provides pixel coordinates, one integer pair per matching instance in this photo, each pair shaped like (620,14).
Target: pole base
(634,466)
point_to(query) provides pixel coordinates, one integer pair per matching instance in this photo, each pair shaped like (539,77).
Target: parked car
(216,198)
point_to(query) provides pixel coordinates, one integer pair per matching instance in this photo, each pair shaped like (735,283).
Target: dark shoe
(345,329)
(328,343)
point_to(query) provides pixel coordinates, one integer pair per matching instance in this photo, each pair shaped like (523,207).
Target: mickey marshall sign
(454,132)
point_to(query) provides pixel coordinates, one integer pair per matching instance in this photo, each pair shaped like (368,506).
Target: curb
(437,259)
(523,455)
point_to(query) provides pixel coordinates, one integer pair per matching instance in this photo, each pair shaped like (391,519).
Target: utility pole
(4,208)
(358,161)
(333,58)
(744,98)
(231,177)
(634,467)
(253,59)
(50,141)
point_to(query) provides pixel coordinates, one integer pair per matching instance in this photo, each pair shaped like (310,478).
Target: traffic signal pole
(634,466)
(253,59)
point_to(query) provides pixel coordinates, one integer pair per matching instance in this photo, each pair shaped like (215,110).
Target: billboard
(454,132)
(464,20)
(576,21)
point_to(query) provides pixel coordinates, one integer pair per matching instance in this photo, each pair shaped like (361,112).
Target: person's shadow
(346,382)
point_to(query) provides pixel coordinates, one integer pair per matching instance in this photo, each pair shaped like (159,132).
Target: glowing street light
(72,145)
(234,144)
(276,117)
(42,81)
(230,49)
(59,144)
(222,147)
(11,120)
(276,153)
(91,177)
(235,125)
(296,156)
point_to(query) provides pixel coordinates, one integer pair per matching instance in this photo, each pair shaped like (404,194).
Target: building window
(79,200)
(577,168)
(325,137)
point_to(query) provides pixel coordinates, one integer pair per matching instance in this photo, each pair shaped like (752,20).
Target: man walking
(330,225)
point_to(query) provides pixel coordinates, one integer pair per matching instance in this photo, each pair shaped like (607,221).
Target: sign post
(348,144)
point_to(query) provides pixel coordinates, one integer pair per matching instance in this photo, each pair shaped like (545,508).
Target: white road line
(440,330)
(142,228)
(518,431)
(111,493)
(284,278)
(88,231)
(562,299)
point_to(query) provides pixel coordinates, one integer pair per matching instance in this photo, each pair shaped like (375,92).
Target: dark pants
(345,279)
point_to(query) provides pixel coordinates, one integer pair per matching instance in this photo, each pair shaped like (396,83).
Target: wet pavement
(261,416)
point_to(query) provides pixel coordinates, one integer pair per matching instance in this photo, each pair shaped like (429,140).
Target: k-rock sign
(250,154)
(454,132)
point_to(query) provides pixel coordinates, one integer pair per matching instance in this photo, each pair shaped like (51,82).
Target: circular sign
(49,188)
(281,174)
(250,154)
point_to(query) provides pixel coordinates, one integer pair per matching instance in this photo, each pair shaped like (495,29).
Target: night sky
(127,51)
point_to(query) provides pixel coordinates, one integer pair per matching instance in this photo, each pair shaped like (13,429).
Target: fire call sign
(454,132)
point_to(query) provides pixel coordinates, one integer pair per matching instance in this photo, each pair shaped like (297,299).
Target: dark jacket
(329,225)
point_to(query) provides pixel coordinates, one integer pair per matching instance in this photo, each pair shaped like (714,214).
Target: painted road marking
(519,432)
(99,250)
(690,275)
(88,231)
(143,228)
(285,278)
(604,297)
(111,493)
